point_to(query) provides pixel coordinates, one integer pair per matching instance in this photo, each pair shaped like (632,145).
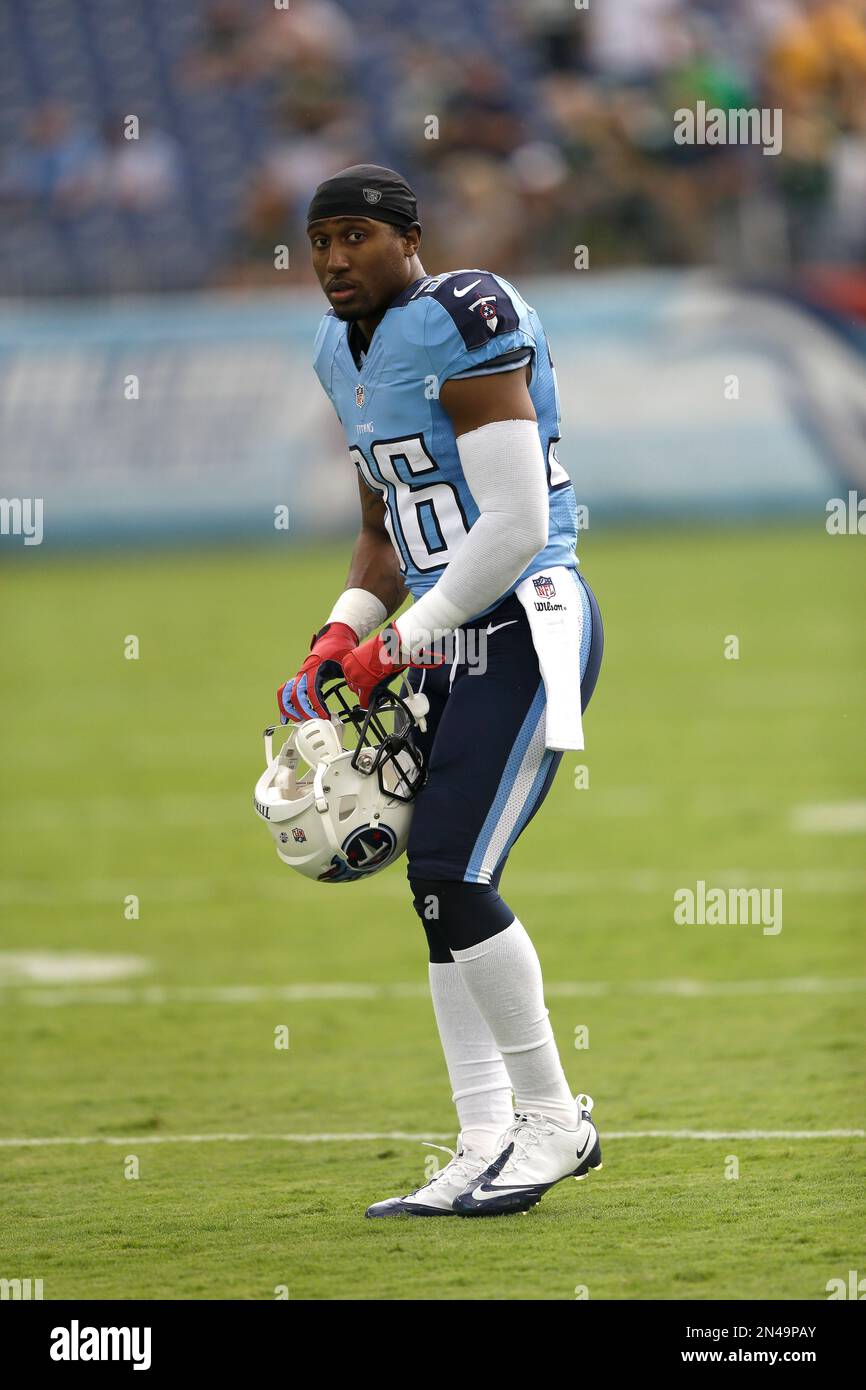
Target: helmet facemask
(390,753)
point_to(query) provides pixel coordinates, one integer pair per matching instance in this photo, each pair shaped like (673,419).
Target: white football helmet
(339,814)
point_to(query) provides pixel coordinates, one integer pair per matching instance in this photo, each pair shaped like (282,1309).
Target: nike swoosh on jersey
(458,294)
(489,629)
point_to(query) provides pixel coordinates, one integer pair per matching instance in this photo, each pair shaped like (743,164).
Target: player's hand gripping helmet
(339,814)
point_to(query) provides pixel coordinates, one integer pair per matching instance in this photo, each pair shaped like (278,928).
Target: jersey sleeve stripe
(508,362)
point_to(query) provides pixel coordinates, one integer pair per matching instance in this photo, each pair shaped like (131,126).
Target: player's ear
(411,239)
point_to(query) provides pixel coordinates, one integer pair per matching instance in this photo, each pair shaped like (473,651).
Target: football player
(445,387)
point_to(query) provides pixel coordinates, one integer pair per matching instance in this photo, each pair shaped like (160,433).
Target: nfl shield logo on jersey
(360,396)
(544,586)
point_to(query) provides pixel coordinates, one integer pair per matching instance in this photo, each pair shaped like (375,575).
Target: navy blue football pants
(488,770)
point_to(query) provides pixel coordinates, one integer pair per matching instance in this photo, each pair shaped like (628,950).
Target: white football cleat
(536,1153)
(436,1197)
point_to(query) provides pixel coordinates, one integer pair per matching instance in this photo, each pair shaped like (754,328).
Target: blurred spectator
(53,159)
(218,58)
(137,175)
(273,212)
(240,42)
(820,54)
(481,112)
(559,37)
(308,32)
(636,40)
(816,71)
(553,127)
(425,83)
(477,212)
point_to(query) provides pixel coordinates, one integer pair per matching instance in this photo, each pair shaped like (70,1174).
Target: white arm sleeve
(503,464)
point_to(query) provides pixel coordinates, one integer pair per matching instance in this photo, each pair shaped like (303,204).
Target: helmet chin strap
(321,804)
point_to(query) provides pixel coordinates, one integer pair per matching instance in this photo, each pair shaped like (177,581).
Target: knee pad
(456,915)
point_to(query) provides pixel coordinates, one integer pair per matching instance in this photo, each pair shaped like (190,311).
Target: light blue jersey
(463,323)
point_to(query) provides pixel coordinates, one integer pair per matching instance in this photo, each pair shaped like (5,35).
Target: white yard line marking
(350,990)
(132,1141)
(67,967)
(830,818)
(712,1134)
(704,989)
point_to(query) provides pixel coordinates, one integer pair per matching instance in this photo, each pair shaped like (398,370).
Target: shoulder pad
(478,303)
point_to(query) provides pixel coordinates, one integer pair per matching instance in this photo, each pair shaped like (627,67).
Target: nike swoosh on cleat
(458,294)
(582,1151)
(482,1195)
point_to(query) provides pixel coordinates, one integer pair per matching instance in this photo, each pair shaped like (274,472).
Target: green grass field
(130,777)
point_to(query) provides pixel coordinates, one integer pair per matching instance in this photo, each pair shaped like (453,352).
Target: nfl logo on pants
(544,586)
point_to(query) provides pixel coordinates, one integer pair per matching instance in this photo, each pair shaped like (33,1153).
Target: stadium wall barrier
(199,415)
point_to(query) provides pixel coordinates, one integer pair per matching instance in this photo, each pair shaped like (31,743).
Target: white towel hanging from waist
(553,605)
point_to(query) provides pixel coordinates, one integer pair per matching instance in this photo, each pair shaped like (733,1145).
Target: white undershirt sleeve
(503,464)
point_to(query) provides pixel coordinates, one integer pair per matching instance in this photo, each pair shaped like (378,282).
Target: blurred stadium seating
(558,117)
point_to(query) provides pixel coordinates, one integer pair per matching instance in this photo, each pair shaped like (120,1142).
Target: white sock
(503,976)
(479,1080)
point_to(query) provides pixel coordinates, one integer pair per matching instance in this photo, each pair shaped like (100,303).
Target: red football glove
(375,662)
(300,698)
(369,665)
